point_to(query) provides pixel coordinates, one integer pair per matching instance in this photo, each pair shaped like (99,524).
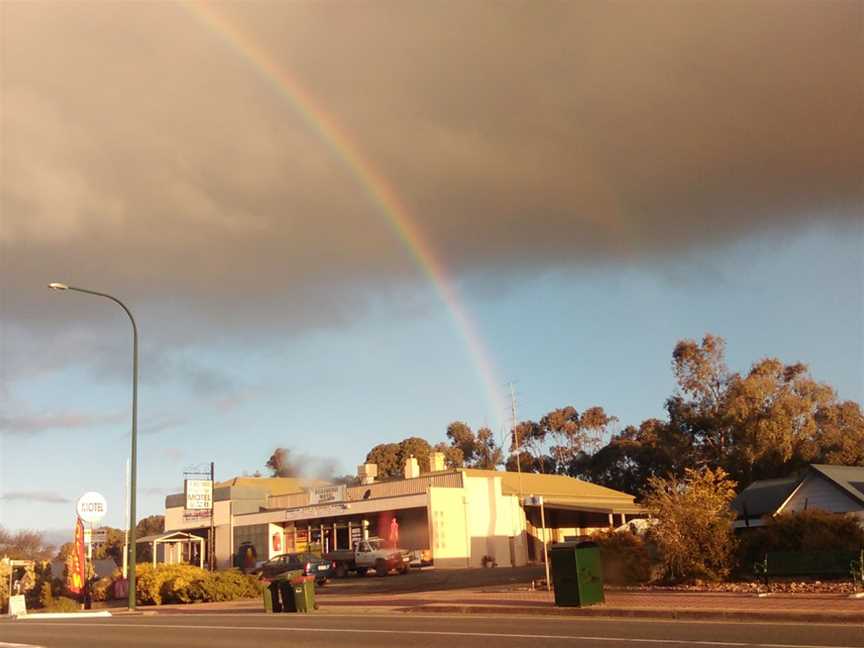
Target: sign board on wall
(301,540)
(91,507)
(327,494)
(199,494)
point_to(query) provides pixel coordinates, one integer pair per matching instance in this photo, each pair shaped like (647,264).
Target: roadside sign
(199,494)
(100,536)
(91,507)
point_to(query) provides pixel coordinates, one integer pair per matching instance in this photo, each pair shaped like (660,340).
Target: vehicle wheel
(341,572)
(361,571)
(381,568)
(403,570)
(321,583)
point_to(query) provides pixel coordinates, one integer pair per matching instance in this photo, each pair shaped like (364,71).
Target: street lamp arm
(112,298)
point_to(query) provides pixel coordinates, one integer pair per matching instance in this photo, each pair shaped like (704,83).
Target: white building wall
(175,519)
(817,493)
(449,535)
(496,523)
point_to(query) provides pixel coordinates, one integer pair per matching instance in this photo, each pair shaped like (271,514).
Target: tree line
(764,423)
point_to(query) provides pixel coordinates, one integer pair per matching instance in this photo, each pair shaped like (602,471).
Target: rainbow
(380,191)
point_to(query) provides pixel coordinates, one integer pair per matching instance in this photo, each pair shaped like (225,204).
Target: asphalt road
(378,631)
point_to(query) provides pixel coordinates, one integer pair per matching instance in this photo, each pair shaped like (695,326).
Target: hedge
(190,584)
(626,557)
(810,530)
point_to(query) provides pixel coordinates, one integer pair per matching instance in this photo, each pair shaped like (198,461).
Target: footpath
(691,606)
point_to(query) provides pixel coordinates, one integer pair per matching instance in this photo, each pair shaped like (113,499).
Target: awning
(170,536)
(593,505)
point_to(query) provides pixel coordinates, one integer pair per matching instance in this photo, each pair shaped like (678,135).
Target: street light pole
(133,464)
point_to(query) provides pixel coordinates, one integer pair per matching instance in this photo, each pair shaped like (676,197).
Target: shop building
(456,518)
(230,498)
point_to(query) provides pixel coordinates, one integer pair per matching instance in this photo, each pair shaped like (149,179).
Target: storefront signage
(199,494)
(196,516)
(316,511)
(327,494)
(91,507)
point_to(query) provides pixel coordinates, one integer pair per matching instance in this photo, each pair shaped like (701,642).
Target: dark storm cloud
(144,155)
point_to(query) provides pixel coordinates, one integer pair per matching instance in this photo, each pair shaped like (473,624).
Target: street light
(133,464)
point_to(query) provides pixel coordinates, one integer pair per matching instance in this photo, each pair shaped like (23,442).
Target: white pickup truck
(369,554)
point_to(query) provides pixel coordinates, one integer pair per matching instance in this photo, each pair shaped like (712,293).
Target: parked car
(309,564)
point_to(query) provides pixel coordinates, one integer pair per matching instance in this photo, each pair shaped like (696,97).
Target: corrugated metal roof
(593,506)
(549,485)
(274,485)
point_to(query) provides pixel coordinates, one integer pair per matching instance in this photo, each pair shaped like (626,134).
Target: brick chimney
(412,468)
(436,462)
(367,473)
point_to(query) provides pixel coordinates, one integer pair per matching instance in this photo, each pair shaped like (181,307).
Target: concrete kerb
(41,616)
(602,611)
(642,613)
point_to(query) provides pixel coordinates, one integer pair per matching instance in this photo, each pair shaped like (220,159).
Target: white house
(837,489)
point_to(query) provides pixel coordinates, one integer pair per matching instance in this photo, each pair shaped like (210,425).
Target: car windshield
(374,545)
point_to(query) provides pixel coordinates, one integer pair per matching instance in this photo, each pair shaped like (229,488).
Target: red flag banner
(76,565)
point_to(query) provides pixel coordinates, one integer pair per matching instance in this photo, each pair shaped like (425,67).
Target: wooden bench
(812,563)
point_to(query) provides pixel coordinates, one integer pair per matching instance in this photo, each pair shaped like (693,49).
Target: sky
(341,224)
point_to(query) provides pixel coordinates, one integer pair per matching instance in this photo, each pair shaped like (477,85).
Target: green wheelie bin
(304,594)
(279,593)
(577,573)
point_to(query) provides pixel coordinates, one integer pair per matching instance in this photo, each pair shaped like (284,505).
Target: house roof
(168,536)
(514,483)
(765,496)
(849,478)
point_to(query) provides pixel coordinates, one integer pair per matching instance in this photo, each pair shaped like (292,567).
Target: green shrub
(625,557)
(57,586)
(46,596)
(810,530)
(693,530)
(188,584)
(5,570)
(102,589)
(64,604)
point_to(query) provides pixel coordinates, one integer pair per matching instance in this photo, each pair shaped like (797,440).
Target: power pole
(211,544)
(516,436)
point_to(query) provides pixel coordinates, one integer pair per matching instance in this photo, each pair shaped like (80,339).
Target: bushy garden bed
(189,584)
